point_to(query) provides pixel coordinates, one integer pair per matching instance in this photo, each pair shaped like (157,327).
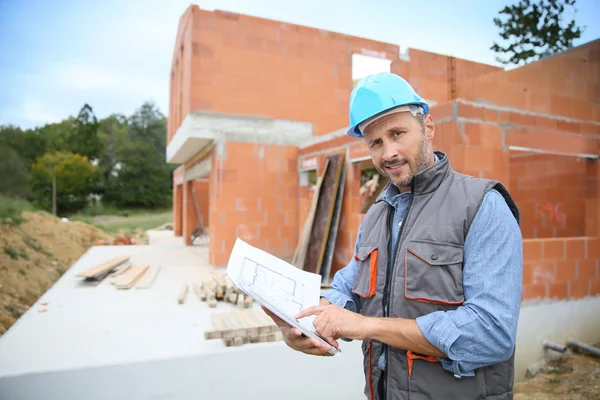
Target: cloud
(29,110)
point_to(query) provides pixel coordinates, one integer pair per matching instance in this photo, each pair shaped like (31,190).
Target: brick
(532,250)
(587,269)
(558,291)
(553,249)
(539,272)
(575,248)
(565,270)
(534,291)
(579,288)
(593,247)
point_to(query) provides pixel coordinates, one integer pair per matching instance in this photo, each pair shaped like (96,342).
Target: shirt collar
(391,191)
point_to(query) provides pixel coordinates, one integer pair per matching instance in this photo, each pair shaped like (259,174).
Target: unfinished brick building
(257,105)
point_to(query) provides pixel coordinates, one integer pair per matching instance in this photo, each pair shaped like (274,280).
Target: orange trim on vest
(372,274)
(410,356)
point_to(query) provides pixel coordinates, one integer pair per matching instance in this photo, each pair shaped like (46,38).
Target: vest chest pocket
(366,274)
(433,272)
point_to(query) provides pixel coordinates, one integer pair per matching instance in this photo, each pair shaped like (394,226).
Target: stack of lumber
(99,272)
(241,327)
(121,274)
(220,288)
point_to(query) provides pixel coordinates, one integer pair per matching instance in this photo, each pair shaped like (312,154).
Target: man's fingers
(316,310)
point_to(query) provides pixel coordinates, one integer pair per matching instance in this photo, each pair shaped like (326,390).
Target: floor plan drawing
(276,285)
(262,280)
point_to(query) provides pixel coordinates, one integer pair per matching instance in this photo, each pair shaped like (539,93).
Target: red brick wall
(430,73)
(550,192)
(237,64)
(561,269)
(567,84)
(254,196)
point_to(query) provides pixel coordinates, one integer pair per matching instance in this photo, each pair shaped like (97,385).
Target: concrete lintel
(200,170)
(200,128)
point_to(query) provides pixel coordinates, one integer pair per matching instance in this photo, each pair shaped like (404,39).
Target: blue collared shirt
(482,331)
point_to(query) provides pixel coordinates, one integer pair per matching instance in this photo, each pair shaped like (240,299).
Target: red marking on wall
(551,213)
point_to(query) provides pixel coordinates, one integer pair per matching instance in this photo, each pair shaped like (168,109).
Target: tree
(75,178)
(138,180)
(13,172)
(112,132)
(534,29)
(84,139)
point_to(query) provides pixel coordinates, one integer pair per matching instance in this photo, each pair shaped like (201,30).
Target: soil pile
(34,253)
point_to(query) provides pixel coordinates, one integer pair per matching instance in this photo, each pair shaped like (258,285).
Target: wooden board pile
(221,288)
(241,327)
(121,274)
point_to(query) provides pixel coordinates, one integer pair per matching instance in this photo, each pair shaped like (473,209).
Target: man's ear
(429,127)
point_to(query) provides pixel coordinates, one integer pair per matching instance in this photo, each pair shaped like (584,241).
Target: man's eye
(375,143)
(398,133)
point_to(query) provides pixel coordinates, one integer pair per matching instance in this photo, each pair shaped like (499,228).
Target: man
(434,289)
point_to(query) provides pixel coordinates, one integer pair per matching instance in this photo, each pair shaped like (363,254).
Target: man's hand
(335,322)
(296,340)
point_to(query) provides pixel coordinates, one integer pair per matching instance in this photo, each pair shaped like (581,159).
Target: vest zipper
(389,271)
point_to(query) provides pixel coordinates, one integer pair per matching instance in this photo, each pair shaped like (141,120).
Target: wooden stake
(182,294)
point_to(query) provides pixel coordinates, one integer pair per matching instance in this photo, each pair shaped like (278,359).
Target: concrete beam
(200,128)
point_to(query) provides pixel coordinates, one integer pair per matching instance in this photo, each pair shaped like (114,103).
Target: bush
(75,180)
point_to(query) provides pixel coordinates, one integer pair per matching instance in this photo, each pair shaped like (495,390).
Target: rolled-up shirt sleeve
(340,292)
(482,331)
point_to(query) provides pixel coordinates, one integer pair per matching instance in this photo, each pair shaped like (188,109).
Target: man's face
(399,146)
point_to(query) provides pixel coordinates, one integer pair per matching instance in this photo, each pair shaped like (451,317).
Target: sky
(56,55)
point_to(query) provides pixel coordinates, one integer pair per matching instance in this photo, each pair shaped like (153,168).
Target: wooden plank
(100,271)
(325,268)
(323,214)
(129,278)
(148,278)
(182,294)
(302,246)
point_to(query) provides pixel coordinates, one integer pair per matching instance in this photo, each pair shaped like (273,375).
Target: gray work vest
(425,275)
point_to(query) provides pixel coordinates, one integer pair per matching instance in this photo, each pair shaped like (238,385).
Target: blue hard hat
(378,93)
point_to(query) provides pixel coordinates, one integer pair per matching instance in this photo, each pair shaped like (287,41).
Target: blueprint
(276,284)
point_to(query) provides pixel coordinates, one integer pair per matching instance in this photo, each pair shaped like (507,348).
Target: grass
(128,220)
(16,313)
(11,253)
(10,210)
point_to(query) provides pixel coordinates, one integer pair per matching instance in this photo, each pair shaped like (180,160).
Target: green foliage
(75,179)
(120,158)
(535,29)
(84,138)
(24,255)
(141,177)
(140,181)
(11,252)
(15,313)
(13,171)
(10,210)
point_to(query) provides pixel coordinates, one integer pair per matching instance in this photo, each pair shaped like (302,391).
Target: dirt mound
(574,377)
(34,255)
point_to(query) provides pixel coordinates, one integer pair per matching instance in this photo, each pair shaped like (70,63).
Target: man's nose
(389,152)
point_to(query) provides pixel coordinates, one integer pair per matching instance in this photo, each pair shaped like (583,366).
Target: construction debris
(241,327)
(101,271)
